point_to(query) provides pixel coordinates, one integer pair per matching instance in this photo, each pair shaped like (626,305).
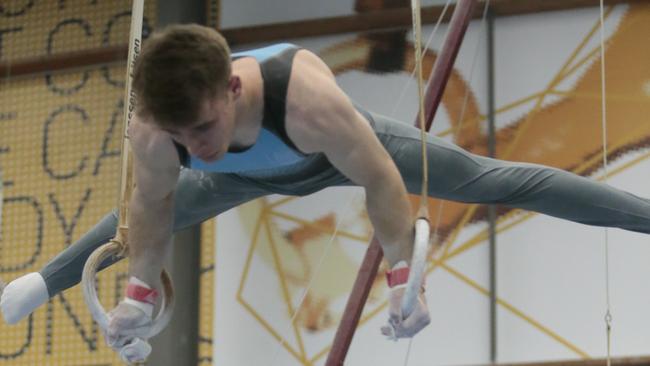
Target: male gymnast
(214,130)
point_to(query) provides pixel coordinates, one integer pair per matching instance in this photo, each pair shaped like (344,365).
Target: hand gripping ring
(418,266)
(97,310)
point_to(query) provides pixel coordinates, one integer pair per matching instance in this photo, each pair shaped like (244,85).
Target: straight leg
(458,175)
(199,196)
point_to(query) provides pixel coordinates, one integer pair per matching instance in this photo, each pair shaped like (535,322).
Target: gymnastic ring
(97,310)
(418,266)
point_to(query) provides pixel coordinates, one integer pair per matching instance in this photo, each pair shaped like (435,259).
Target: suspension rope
(126,167)
(458,127)
(423,210)
(426,47)
(353,198)
(603,106)
(416,9)
(424,199)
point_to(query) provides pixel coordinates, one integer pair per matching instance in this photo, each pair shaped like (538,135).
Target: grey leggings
(455,175)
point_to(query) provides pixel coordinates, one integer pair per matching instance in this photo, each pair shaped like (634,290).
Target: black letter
(8,30)
(50,39)
(25,346)
(106,40)
(62,3)
(30,201)
(6,117)
(105,153)
(91,341)
(46,131)
(8,13)
(68,229)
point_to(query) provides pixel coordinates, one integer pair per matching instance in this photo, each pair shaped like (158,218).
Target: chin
(211,158)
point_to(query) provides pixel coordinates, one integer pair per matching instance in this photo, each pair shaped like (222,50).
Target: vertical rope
(417,33)
(126,172)
(418,58)
(423,210)
(282,341)
(603,89)
(1,201)
(426,47)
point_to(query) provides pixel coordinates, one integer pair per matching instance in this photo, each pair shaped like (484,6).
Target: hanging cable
(423,211)
(326,249)
(603,106)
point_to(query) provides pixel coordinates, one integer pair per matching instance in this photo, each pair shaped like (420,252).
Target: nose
(194,150)
(194,146)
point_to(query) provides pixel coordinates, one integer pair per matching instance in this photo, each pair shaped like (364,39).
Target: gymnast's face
(210,137)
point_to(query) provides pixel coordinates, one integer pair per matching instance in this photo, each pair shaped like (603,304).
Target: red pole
(368,271)
(445,62)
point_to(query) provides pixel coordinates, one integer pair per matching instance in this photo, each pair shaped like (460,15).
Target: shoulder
(307,64)
(151,146)
(318,111)
(156,165)
(264,52)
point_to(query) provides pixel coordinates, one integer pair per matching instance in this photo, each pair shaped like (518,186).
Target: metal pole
(178,344)
(435,87)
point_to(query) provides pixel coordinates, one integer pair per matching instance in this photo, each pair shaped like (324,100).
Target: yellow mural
(59,157)
(206,292)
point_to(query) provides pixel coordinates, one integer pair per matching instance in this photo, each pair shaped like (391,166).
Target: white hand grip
(97,310)
(418,266)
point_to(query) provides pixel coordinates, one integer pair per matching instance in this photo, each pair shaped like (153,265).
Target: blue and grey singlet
(273,148)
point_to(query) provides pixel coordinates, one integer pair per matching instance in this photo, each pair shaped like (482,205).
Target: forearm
(150,232)
(389,211)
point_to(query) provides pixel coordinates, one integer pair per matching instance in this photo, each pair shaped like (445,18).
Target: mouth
(210,157)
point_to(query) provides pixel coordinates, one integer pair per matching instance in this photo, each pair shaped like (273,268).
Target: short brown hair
(178,68)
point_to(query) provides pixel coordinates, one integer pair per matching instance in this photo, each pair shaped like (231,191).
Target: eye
(205,126)
(172,133)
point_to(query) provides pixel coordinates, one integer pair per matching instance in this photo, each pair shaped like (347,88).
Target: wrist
(396,252)
(398,275)
(141,295)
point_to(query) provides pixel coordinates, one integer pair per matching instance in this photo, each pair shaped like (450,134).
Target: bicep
(348,141)
(358,154)
(325,120)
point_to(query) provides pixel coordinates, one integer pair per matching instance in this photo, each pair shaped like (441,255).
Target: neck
(249,111)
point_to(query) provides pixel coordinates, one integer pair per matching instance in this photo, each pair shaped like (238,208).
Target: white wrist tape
(141,295)
(146,308)
(397,277)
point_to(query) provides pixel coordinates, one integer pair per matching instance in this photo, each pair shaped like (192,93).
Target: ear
(234,86)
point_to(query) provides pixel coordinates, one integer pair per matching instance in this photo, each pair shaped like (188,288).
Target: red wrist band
(397,277)
(141,293)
